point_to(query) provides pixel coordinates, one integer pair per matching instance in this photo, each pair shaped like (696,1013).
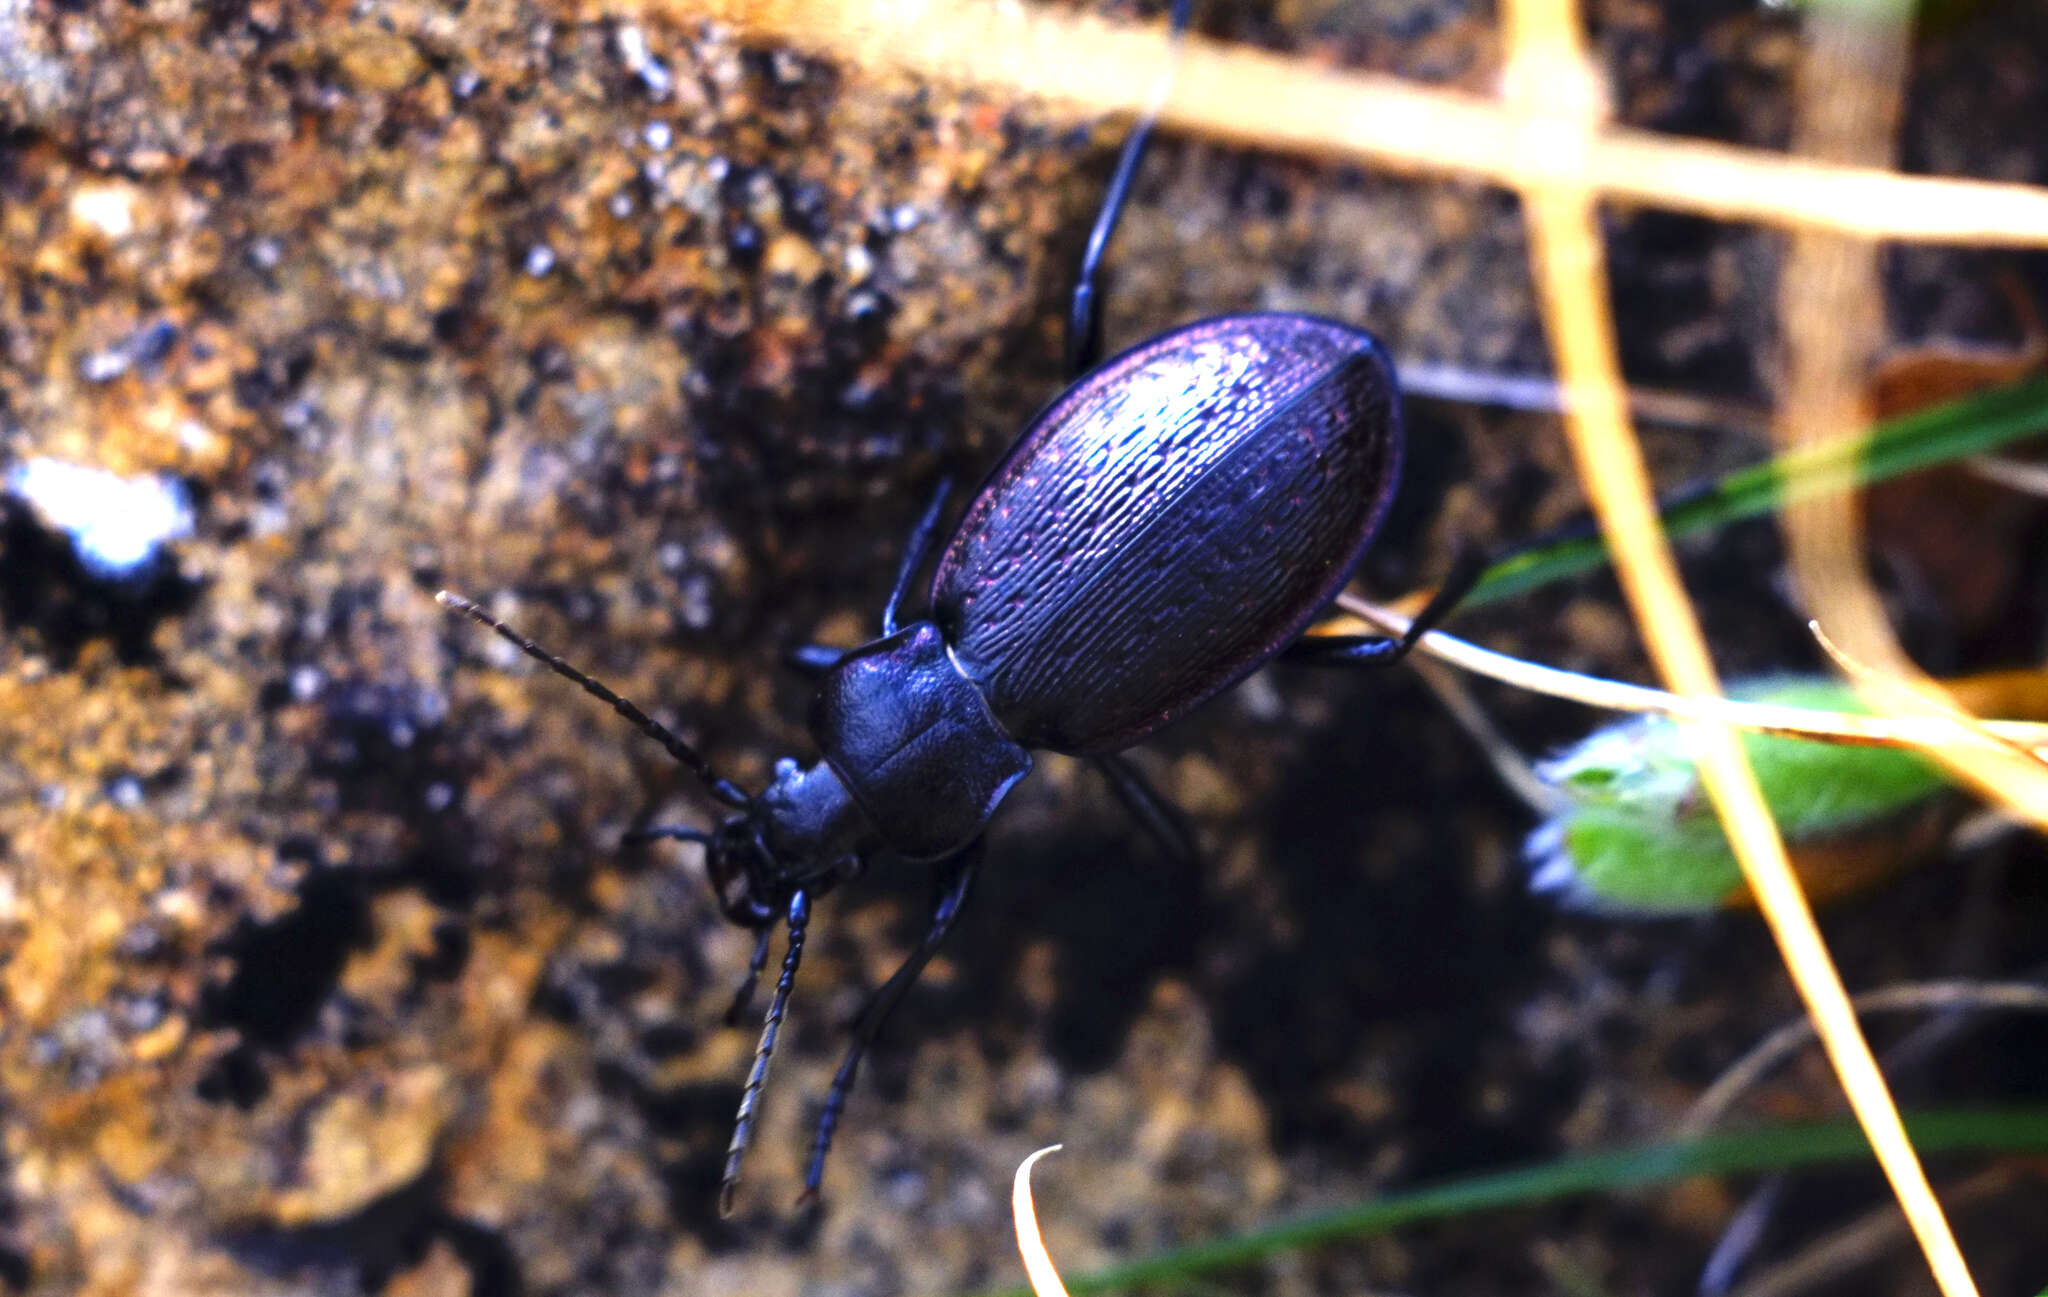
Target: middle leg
(1153,812)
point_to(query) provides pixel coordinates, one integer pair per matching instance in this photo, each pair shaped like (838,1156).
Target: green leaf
(1637,834)
(1923,439)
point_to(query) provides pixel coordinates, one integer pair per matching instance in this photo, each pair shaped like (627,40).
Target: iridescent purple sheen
(914,744)
(1170,522)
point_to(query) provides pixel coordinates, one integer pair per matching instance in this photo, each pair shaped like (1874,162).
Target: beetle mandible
(1174,519)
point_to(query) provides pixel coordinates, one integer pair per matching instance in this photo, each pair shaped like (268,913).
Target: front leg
(955,878)
(812,660)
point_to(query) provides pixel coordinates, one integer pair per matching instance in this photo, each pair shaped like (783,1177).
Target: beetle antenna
(750,1098)
(723,789)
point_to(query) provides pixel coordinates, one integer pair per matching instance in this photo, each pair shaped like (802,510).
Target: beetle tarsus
(1466,569)
(1386,650)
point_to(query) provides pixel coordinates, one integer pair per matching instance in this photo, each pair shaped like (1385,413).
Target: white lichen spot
(196,438)
(696,608)
(860,263)
(306,683)
(104,366)
(107,209)
(118,525)
(633,52)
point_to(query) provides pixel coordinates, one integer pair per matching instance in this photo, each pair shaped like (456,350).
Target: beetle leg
(955,879)
(1153,812)
(743,999)
(815,660)
(1345,651)
(914,553)
(1384,650)
(750,1098)
(812,660)
(1084,315)
(656,832)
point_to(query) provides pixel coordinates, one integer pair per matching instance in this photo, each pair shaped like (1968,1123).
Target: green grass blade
(1773,1148)
(1939,435)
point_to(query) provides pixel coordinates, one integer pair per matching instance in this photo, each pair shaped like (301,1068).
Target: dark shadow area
(15,1271)
(698,1118)
(1118,912)
(385,751)
(385,1237)
(1433,457)
(284,970)
(1396,953)
(49,596)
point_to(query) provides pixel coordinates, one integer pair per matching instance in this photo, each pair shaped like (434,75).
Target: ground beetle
(1174,519)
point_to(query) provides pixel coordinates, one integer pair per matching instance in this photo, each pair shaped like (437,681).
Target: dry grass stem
(1910,997)
(1515,769)
(1541,394)
(1545,54)
(1038,1267)
(1276,102)
(1848,96)
(1864,1241)
(1763,718)
(2015,474)
(1934,707)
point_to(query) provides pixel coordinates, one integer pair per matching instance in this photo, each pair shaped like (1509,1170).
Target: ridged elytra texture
(1170,522)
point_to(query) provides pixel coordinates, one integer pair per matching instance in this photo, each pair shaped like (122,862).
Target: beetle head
(746,880)
(802,833)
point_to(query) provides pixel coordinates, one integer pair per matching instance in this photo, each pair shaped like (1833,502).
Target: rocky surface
(321,966)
